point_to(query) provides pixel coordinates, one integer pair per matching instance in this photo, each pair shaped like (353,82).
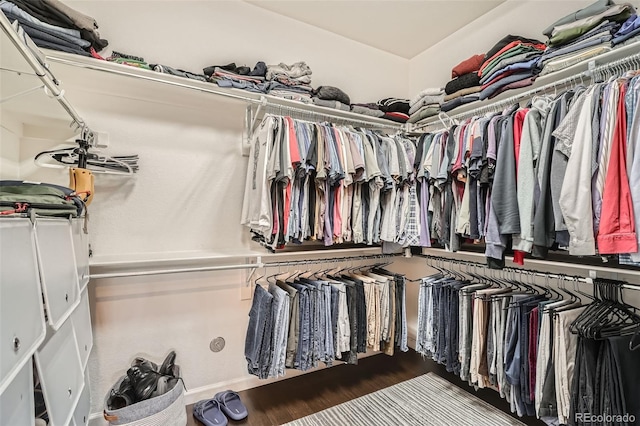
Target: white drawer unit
(81,414)
(81,249)
(58,270)
(22,326)
(81,319)
(61,374)
(17,401)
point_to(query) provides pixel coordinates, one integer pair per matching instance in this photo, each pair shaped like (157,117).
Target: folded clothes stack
(130,60)
(425,104)
(370,109)
(465,86)
(54,25)
(242,77)
(395,109)
(290,81)
(331,97)
(586,33)
(512,63)
(165,69)
(629,32)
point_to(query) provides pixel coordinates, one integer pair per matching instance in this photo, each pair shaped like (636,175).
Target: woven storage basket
(164,410)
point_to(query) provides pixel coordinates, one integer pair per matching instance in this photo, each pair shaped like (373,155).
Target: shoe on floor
(231,405)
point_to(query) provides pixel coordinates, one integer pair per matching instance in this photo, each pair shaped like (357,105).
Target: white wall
(188,193)
(527,18)
(195,34)
(10,133)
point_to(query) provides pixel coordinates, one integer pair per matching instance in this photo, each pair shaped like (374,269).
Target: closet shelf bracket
(250,122)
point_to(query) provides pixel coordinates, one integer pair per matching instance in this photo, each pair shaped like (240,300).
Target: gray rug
(425,400)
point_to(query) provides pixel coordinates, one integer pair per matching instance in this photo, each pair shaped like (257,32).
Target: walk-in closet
(260,212)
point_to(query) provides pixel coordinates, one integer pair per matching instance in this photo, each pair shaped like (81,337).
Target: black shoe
(166,369)
(121,397)
(143,380)
(144,364)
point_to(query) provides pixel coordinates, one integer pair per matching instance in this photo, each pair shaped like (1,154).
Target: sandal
(231,405)
(209,413)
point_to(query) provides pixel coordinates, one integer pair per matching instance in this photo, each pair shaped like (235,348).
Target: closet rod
(45,75)
(328,260)
(618,65)
(175,271)
(258,264)
(278,109)
(252,100)
(520,270)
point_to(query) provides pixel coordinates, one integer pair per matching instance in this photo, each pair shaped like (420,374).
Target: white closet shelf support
(24,45)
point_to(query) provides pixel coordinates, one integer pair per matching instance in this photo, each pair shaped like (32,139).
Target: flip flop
(208,412)
(231,405)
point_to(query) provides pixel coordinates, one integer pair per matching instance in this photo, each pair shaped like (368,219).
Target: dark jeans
(259,320)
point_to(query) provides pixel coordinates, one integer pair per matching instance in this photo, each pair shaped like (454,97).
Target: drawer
(81,413)
(61,374)
(58,271)
(81,319)
(16,402)
(22,326)
(81,250)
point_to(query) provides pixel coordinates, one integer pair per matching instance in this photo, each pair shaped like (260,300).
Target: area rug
(425,400)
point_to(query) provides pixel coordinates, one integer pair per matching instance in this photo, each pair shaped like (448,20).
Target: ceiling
(401,27)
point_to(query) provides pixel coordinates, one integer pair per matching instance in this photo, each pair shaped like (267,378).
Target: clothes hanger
(78,155)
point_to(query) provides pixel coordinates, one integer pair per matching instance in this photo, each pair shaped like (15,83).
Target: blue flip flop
(209,413)
(231,405)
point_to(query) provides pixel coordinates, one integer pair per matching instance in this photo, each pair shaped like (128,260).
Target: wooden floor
(287,400)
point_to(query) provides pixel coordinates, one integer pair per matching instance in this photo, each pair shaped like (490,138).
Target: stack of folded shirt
(130,60)
(370,109)
(331,97)
(395,109)
(290,81)
(465,86)
(583,34)
(53,25)
(425,104)
(165,69)
(242,77)
(630,31)
(512,63)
